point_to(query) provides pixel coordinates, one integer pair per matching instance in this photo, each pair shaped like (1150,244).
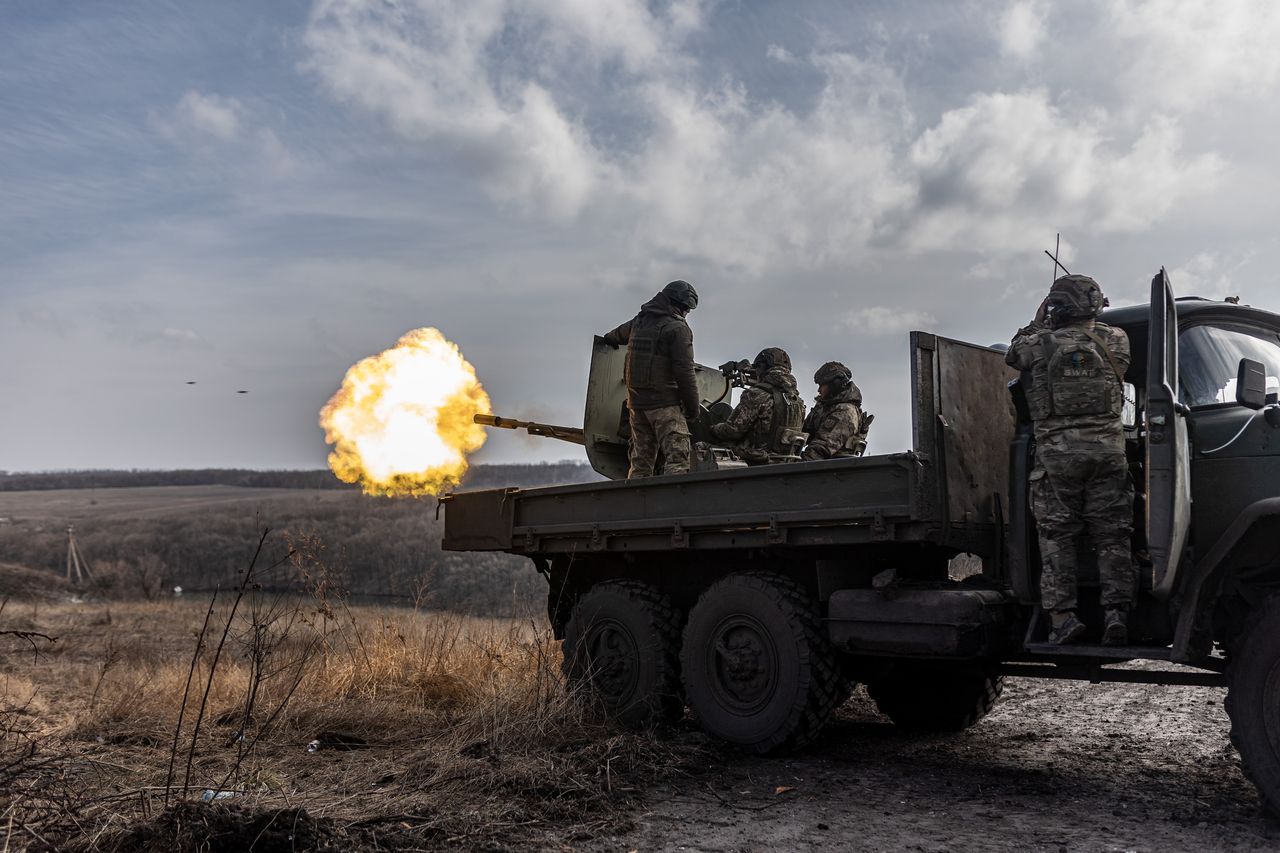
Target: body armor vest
(787,420)
(642,352)
(1079,378)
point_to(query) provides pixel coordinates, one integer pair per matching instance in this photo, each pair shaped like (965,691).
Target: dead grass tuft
(381,725)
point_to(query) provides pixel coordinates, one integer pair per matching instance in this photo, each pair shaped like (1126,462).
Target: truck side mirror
(1251,384)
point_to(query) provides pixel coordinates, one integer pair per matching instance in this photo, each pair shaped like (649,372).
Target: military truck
(758,597)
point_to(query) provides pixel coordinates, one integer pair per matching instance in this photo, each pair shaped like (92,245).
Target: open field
(443,732)
(142,541)
(341,727)
(63,506)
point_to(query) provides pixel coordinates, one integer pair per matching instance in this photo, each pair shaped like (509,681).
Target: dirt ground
(1056,766)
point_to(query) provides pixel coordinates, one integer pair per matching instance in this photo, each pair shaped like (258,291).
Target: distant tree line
(384,547)
(480,476)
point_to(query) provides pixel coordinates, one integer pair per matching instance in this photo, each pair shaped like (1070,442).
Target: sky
(254,196)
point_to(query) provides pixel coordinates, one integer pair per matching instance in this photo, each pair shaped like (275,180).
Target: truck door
(1168,475)
(1235,449)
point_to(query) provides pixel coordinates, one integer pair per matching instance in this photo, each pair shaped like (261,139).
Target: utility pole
(76,560)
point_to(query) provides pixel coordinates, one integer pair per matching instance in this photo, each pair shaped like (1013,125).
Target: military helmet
(769,358)
(1076,297)
(682,294)
(835,375)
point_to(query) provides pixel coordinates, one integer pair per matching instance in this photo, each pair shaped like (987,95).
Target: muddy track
(1056,766)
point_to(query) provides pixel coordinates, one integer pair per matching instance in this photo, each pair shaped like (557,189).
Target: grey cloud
(748,184)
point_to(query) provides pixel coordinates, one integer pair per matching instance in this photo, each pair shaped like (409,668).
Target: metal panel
(929,623)
(479,521)
(1168,452)
(977,425)
(850,488)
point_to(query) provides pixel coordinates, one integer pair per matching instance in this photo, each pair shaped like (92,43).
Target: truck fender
(1195,601)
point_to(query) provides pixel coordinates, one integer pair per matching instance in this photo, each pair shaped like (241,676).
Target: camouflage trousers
(1083,500)
(662,429)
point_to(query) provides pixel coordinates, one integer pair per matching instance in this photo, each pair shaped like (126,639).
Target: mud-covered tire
(937,697)
(1253,700)
(759,671)
(622,648)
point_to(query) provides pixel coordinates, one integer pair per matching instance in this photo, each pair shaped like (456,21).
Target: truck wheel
(1253,700)
(758,668)
(932,697)
(622,645)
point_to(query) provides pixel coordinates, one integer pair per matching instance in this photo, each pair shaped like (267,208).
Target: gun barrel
(573,435)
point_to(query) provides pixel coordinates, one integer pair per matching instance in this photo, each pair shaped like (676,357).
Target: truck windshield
(1209,359)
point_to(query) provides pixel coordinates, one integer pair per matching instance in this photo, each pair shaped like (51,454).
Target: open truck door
(1168,456)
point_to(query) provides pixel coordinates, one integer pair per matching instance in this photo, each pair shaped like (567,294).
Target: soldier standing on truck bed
(766,424)
(1081,480)
(662,392)
(837,426)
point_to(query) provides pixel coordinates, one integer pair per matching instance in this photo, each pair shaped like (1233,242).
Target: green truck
(759,596)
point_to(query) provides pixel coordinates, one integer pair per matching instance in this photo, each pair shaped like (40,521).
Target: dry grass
(433,730)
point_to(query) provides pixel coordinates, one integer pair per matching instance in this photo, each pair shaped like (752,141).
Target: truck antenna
(1057,265)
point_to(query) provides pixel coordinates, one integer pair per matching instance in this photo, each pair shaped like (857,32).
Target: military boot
(1066,628)
(1115,631)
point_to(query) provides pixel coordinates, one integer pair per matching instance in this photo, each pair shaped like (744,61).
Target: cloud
(778,53)
(1006,165)
(1022,28)
(880,321)
(708,171)
(1182,54)
(184,335)
(207,115)
(226,132)
(1208,274)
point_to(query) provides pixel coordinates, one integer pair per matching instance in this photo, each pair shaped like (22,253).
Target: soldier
(770,413)
(662,393)
(836,426)
(1073,372)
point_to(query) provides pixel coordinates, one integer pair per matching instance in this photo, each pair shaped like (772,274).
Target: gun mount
(606,430)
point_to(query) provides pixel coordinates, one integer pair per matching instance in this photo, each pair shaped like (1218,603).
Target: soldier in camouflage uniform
(836,426)
(662,391)
(770,414)
(1073,369)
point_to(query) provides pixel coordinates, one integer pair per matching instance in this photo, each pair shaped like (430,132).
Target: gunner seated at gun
(837,426)
(766,424)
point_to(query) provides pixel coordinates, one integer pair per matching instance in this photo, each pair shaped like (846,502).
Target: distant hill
(480,476)
(24,583)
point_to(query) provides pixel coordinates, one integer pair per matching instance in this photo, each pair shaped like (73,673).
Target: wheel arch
(1228,558)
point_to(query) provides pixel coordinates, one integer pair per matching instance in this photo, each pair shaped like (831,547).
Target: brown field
(63,506)
(429,731)
(442,732)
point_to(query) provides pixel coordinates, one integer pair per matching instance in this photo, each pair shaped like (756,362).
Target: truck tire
(622,646)
(933,697)
(759,670)
(1253,700)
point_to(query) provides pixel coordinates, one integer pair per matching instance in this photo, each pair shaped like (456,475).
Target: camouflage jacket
(834,424)
(753,427)
(1079,411)
(659,369)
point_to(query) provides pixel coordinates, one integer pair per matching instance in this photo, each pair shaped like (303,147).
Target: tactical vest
(787,419)
(1078,378)
(646,367)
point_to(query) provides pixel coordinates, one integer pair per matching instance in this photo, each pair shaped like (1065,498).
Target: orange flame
(401,424)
